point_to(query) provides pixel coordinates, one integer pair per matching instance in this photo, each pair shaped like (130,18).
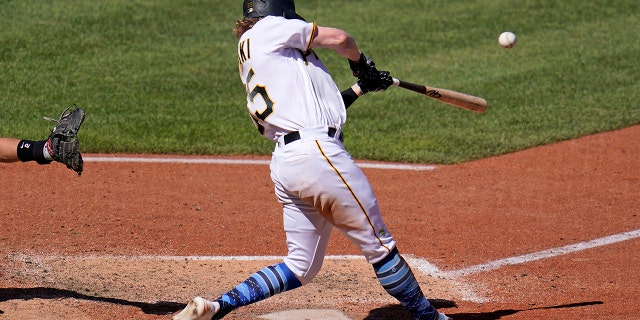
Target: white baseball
(507,39)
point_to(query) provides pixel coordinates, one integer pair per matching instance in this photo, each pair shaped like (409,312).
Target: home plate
(306,314)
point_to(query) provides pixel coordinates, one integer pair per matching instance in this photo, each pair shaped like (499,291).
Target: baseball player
(62,145)
(294,102)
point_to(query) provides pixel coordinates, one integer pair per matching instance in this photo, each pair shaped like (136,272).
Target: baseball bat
(450,97)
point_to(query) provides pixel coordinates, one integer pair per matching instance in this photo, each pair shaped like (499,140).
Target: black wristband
(32,151)
(349,97)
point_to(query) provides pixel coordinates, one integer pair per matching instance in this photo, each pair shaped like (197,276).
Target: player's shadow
(397,312)
(157,308)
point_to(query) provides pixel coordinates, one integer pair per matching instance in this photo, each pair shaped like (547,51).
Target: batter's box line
(419,264)
(428,268)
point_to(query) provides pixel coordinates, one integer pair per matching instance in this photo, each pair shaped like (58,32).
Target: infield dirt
(103,245)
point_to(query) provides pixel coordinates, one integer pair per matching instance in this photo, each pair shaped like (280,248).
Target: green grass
(161,76)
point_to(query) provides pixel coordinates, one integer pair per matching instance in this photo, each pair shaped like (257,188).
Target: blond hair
(243,25)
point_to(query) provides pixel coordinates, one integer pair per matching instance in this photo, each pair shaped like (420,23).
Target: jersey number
(262,92)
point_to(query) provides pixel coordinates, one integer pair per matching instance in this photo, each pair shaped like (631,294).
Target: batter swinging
(293,101)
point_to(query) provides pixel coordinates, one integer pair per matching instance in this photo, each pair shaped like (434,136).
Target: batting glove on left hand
(363,67)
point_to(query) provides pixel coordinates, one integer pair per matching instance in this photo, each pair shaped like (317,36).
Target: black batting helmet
(263,8)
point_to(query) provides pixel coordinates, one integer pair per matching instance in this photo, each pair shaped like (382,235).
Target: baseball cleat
(444,317)
(198,309)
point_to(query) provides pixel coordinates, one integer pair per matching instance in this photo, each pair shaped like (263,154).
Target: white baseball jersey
(293,100)
(320,186)
(288,87)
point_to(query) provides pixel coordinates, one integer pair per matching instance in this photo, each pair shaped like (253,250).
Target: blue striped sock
(261,285)
(398,280)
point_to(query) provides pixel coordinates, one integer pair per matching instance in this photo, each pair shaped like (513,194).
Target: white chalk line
(177,160)
(468,293)
(200,258)
(465,290)
(419,264)
(549,253)
(428,268)
(422,265)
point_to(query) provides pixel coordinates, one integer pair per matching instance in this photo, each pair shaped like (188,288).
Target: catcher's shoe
(198,309)
(63,144)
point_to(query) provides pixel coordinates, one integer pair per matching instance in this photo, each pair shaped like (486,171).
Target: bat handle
(410,86)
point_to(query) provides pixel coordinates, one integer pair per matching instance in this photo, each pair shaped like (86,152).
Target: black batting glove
(375,82)
(362,67)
